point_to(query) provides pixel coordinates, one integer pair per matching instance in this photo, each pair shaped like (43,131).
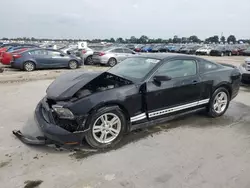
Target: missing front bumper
(30,140)
(43,132)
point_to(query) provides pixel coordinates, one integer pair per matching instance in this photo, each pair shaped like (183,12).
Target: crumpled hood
(66,85)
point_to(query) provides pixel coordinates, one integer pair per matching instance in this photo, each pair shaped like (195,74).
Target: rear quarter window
(207,66)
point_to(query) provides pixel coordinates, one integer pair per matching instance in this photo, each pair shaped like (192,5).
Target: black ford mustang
(139,92)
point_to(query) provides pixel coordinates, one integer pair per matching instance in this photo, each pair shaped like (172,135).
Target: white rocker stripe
(138,117)
(169,110)
(204,101)
(178,108)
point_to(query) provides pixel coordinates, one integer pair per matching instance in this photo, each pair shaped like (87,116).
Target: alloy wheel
(112,62)
(220,102)
(72,64)
(29,66)
(89,60)
(106,128)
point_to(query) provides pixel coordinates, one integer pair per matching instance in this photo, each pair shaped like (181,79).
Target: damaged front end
(52,129)
(56,121)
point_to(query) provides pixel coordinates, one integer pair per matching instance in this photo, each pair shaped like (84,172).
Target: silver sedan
(112,55)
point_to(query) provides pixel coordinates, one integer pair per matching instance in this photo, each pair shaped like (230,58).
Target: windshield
(134,69)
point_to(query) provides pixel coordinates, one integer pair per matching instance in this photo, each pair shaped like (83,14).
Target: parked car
(164,48)
(221,51)
(189,49)
(44,58)
(112,55)
(246,52)
(87,54)
(245,71)
(203,51)
(7,57)
(100,107)
(147,48)
(159,48)
(130,46)
(237,51)
(138,47)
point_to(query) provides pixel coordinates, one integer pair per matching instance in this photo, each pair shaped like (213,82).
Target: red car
(7,57)
(237,51)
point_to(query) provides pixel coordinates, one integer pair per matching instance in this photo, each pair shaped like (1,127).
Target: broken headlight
(63,113)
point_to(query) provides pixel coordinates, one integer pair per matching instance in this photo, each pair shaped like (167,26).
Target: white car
(203,51)
(245,71)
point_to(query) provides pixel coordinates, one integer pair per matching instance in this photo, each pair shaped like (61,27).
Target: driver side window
(177,68)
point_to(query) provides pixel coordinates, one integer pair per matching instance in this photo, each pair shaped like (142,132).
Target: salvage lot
(193,151)
(16,75)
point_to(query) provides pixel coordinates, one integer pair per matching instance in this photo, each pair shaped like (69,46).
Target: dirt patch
(4,163)
(134,136)
(32,184)
(13,76)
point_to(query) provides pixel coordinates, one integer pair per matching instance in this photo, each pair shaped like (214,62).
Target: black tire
(29,66)
(222,54)
(112,62)
(73,64)
(89,60)
(211,109)
(90,138)
(229,53)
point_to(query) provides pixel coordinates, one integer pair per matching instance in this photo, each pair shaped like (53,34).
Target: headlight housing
(63,113)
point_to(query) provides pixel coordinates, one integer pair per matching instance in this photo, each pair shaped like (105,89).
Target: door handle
(195,82)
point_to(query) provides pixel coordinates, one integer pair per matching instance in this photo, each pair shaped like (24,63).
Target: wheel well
(228,88)
(113,58)
(124,110)
(89,56)
(85,59)
(29,61)
(73,60)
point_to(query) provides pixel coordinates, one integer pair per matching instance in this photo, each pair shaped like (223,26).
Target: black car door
(183,91)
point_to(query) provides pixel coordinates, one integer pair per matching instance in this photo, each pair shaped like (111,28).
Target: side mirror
(159,79)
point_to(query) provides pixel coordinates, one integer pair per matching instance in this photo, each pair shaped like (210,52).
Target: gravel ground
(193,151)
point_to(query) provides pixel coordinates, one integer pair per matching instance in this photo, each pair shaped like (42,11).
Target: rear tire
(112,62)
(29,66)
(219,102)
(89,60)
(73,64)
(107,127)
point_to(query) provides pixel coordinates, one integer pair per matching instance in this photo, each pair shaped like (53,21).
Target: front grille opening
(51,102)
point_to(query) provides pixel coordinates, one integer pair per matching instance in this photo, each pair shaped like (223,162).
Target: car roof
(162,56)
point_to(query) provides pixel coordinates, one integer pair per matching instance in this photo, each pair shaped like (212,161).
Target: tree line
(146,40)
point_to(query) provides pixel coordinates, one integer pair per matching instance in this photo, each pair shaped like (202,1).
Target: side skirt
(165,119)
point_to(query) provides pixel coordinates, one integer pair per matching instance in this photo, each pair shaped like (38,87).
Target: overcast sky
(125,18)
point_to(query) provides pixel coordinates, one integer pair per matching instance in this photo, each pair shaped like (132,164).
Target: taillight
(101,53)
(84,51)
(16,56)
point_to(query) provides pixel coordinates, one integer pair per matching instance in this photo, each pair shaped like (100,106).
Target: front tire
(219,102)
(107,127)
(73,64)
